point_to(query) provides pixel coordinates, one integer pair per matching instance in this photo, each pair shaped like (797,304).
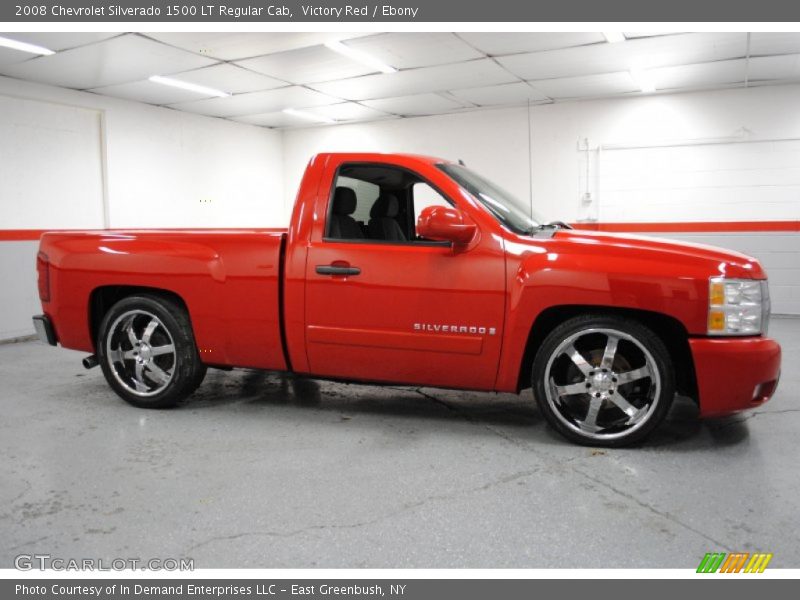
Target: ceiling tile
(413,50)
(762,44)
(62,40)
(495,95)
(650,52)
(307,65)
(783,67)
(417,105)
(282,120)
(631,35)
(257,102)
(275,119)
(703,75)
(148,92)
(119,60)
(588,86)
(498,44)
(10,57)
(230,78)
(417,81)
(235,46)
(348,111)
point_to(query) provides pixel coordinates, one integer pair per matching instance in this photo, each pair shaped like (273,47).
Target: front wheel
(147,351)
(603,381)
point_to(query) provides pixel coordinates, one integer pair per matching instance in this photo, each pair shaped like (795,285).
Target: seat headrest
(385,206)
(344,201)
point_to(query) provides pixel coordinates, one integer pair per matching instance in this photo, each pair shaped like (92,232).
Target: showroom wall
(79,160)
(708,157)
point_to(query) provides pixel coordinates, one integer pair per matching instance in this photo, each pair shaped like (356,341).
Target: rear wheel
(147,351)
(603,381)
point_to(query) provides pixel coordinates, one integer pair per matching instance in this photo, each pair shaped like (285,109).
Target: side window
(352,202)
(378,202)
(366,194)
(425,196)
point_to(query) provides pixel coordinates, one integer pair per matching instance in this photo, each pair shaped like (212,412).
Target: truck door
(385,305)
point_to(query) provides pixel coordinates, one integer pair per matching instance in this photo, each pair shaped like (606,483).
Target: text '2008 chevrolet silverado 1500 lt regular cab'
(414,270)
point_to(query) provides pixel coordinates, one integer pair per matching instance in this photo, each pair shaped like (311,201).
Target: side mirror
(446,224)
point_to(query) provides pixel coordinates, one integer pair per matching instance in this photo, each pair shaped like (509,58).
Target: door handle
(337,270)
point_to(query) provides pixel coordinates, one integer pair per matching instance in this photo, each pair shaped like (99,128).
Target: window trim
(363,241)
(329,211)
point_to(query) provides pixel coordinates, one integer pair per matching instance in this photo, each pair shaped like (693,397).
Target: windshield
(506,208)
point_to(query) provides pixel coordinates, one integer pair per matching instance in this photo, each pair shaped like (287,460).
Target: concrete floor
(262,470)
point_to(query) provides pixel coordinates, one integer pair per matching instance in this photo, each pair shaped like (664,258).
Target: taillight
(43,269)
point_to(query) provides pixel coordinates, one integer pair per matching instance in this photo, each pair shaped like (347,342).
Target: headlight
(737,306)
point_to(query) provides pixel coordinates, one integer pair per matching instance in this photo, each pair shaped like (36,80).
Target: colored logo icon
(735,562)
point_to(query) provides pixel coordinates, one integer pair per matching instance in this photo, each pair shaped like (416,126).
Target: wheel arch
(671,331)
(104,297)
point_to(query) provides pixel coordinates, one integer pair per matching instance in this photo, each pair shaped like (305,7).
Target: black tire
(622,398)
(160,380)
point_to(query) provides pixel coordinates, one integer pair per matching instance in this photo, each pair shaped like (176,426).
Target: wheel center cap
(145,353)
(601,382)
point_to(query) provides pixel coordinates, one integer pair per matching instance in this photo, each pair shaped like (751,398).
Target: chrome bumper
(44,329)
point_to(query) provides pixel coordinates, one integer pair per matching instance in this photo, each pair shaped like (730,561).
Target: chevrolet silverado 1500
(414,270)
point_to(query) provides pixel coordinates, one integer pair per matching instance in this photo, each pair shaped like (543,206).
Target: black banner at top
(408,11)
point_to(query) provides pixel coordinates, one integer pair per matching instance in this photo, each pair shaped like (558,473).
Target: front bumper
(44,329)
(735,374)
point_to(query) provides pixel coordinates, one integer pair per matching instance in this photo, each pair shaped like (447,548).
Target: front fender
(551,275)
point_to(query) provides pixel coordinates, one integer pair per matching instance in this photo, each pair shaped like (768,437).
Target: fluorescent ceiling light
(23,47)
(644,80)
(613,37)
(300,114)
(359,56)
(192,87)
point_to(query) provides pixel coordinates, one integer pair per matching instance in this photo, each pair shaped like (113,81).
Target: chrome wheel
(141,353)
(602,383)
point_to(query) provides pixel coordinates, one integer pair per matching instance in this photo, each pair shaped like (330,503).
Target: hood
(726,262)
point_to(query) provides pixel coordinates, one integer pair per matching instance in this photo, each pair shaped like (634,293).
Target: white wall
(19,296)
(164,167)
(172,169)
(667,175)
(734,181)
(155,168)
(50,151)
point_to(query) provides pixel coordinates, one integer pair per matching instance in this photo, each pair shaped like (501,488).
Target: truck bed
(229,280)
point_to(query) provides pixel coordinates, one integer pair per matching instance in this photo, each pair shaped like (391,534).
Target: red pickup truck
(414,270)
